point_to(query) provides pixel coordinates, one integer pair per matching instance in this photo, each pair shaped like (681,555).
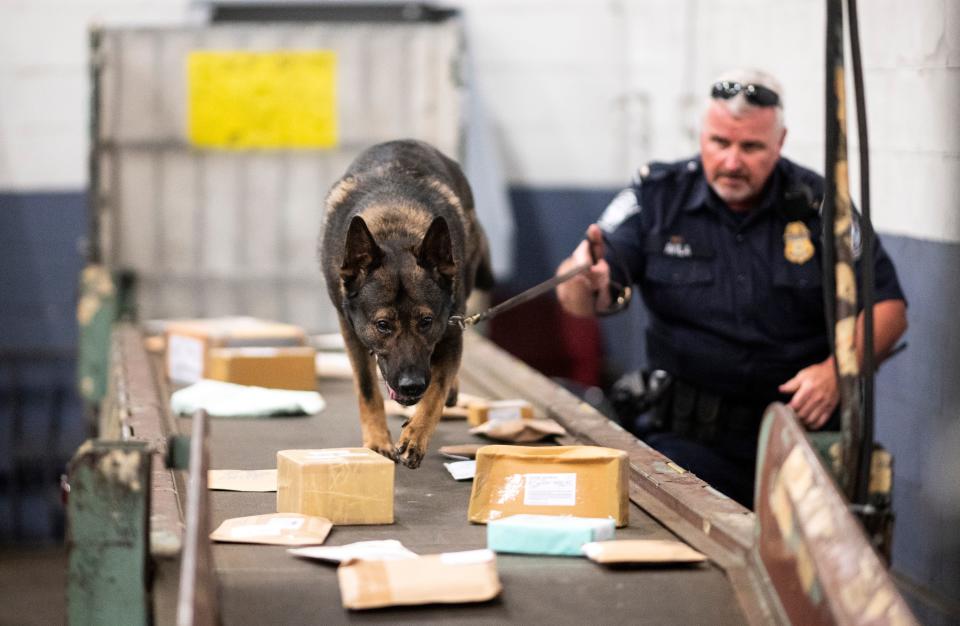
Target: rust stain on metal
(813,550)
(667,467)
(97,277)
(847,359)
(121,466)
(676,467)
(134,410)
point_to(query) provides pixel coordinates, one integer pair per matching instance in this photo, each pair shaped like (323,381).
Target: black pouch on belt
(693,413)
(682,409)
(708,417)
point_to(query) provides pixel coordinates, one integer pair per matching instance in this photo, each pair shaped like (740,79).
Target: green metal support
(178,452)
(107,537)
(97,310)
(823,442)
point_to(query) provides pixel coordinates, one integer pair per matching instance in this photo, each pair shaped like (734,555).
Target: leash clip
(461,321)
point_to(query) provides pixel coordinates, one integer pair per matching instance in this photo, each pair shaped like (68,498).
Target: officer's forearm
(889,324)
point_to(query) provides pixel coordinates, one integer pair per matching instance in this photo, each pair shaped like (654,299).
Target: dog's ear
(436,250)
(361,254)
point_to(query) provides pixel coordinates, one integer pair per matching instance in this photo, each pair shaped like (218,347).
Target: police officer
(726,250)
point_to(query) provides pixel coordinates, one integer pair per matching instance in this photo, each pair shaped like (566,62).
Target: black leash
(621,300)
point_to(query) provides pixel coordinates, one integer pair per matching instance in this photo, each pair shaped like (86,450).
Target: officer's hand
(815,393)
(596,249)
(577,294)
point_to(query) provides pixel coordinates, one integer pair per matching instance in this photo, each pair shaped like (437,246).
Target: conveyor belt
(263,584)
(785,563)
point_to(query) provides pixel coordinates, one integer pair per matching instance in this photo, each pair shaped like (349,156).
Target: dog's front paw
(409,452)
(382,446)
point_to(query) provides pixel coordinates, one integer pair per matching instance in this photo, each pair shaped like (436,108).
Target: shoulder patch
(620,208)
(655,170)
(856,239)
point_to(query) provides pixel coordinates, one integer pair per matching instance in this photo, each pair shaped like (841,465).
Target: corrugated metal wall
(215,232)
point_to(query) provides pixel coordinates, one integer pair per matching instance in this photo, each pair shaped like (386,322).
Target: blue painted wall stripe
(40,235)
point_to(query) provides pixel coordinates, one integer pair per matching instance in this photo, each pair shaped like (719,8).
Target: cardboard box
(584,481)
(188,342)
(479,412)
(276,368)
(452,577)
(344,485)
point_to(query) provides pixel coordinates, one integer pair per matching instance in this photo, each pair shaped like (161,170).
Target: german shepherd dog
(401,250)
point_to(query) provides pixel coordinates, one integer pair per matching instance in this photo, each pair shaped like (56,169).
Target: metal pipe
(866,264)
(841,289)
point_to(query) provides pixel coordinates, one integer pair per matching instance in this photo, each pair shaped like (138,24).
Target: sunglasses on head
(757,95)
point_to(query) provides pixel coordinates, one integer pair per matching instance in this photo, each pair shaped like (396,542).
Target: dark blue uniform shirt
(735,300)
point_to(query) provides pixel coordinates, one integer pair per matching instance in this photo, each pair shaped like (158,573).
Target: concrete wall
(578,94)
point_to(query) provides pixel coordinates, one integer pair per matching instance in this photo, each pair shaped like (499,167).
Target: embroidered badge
(797,246)
(677,247)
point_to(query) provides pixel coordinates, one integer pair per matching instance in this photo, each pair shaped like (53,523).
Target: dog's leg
(373,419)
(412,443)
(454,393)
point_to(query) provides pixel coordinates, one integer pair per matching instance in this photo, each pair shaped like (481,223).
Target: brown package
(275,368)
(641,551)
(286,529)
(453,577)
(481,411)
(188,342)
(344,485)
(519,430)
(583,481)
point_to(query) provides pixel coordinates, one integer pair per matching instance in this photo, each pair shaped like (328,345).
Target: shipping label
(550,489)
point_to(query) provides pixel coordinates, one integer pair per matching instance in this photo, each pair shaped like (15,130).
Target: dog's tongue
(393,394)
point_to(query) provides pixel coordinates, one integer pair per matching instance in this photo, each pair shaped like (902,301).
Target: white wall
(44,85)
(580,92)
(583,92)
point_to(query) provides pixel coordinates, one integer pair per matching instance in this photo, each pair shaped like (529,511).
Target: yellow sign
(240,100)
(797,247)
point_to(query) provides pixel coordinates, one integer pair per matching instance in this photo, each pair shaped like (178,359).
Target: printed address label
(550,489)
(185,358)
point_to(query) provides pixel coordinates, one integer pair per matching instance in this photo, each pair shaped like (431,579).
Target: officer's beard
(734,189)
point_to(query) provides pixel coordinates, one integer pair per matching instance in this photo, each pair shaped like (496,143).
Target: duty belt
(701,415)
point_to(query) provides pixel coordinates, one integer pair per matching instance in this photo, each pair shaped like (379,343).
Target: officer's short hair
(738,104)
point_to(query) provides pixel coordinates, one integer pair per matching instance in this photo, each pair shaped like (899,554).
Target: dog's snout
(412,386)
